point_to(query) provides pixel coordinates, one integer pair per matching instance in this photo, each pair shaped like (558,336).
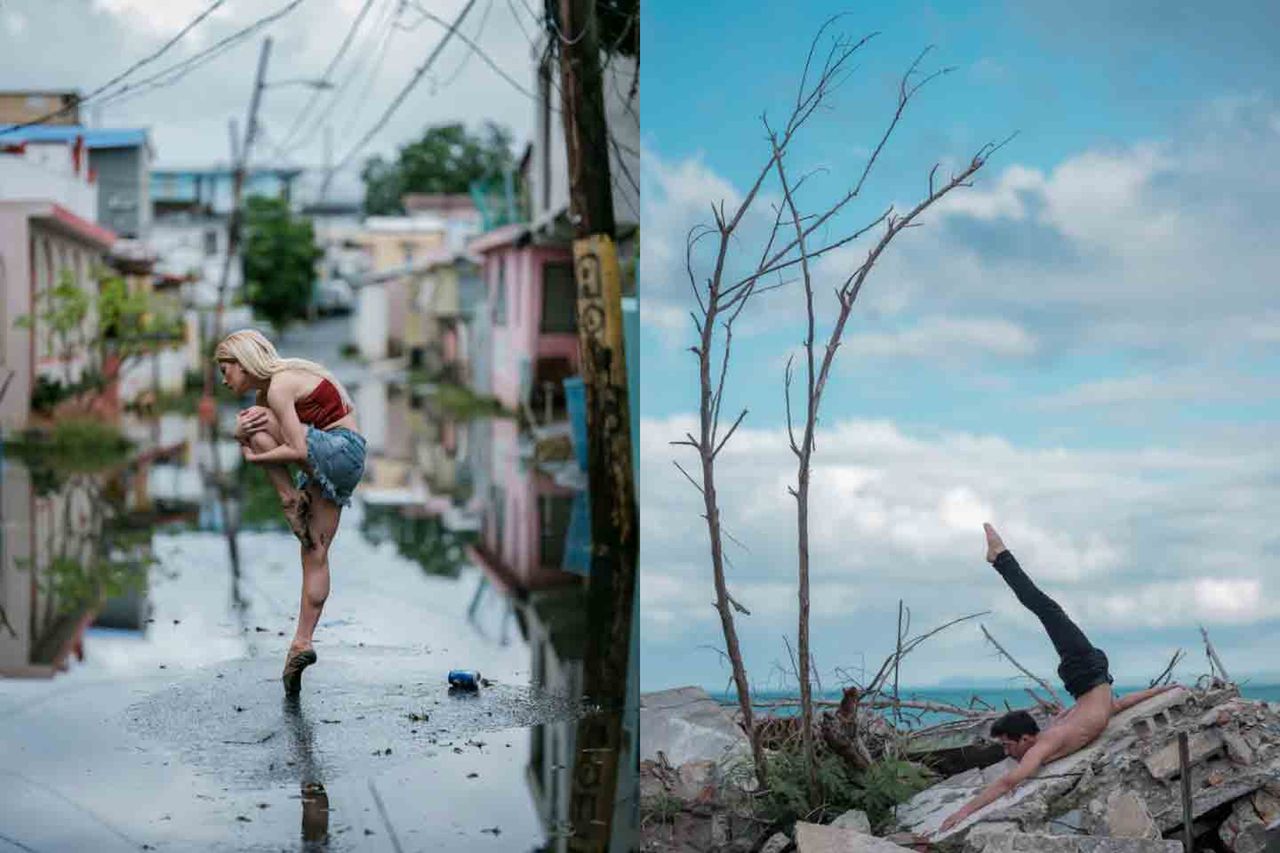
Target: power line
(404,92)
(213,7)
(457,72)
(180,69)
(387,27)
(333,63)
(488,60)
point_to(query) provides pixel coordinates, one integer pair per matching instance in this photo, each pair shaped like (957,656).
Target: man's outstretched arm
(1126,702)
(1027,767)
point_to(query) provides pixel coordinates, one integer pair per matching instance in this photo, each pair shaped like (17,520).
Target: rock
(1163,763)
(1071,823)
(816,838)
(776,843)
(1243,831)
(1237,747)
(977,838)
(696,781)
(1021,842)
(1127,816)
(854,819)
(686,724)
(1267,803)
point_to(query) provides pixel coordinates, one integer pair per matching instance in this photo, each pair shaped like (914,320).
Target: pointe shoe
(292,675)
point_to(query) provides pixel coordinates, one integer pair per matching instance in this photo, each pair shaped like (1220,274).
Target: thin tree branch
(1028,673)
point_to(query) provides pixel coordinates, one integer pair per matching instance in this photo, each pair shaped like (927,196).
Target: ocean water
(998,698)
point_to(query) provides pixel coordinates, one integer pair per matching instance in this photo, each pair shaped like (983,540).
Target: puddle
(146,614)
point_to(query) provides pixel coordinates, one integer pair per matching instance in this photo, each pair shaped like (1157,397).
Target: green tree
(447,159)
(280,253)
(128,325)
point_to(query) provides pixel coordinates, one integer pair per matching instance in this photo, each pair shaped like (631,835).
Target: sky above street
(81,44)
(1081,348)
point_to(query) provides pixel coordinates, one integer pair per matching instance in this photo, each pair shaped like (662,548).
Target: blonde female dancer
(303,417)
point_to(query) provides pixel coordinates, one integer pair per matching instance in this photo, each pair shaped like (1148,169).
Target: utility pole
(611,481)
(239,161)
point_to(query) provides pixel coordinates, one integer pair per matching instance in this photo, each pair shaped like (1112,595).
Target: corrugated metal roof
(93,137)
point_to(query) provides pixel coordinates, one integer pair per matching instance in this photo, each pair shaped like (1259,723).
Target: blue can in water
(464,679)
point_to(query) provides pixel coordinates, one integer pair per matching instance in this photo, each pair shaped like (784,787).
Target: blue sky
(1081,348)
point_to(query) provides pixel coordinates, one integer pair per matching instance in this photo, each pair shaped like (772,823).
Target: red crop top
(322,407)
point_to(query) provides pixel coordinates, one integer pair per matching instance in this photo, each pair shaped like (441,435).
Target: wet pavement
(143,709)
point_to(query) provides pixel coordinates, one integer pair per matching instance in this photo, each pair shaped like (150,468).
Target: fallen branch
(1214,660)
(881,704)
(1164,676)
(1028,673)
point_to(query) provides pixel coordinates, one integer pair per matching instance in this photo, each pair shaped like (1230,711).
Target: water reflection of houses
(71,556)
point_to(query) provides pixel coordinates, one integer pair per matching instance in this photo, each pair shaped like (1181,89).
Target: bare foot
(995,545)
(298,513)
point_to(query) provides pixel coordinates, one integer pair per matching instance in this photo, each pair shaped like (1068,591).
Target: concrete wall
(46,173)
(124,199)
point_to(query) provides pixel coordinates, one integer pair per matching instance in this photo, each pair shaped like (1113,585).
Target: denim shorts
(337,458)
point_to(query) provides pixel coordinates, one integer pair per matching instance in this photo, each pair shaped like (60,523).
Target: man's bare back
(1084,672)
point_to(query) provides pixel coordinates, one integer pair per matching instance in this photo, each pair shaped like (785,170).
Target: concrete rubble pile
(1121,794)
(1127,785)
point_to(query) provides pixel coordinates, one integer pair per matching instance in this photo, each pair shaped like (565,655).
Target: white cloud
(1211,600)
(189,120)
(940,337)
(1161,246)
(1128,541)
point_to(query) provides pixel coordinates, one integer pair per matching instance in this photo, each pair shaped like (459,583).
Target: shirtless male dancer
(1083,670)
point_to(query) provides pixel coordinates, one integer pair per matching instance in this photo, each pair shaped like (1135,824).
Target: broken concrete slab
(1022,842)
(685,724)
(1164,762)
(855,819)
(817,838)
(1127,816)
(777,842)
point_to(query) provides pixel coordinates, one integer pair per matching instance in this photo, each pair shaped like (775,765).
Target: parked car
(334,296)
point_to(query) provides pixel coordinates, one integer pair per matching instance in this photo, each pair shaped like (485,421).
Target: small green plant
(72,446)
(875,790)
(463,403)
(663,807)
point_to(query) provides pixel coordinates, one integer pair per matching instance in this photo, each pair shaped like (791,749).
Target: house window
(554,526)
(210,242)
(559,299)
(500,294)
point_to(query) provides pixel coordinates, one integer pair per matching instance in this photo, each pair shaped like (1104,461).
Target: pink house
(523,536)
(532,310)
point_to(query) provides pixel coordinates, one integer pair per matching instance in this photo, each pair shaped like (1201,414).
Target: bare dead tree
(1044,685)
(722,297)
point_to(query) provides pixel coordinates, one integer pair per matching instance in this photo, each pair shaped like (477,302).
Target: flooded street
(147,608)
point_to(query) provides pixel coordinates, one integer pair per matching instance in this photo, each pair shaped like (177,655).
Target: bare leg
(278,474)
(291,500)
(315,567)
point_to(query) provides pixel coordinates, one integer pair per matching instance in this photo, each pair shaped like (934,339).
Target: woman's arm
(294,449)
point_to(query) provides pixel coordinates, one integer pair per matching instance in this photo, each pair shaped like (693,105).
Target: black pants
(1083,667)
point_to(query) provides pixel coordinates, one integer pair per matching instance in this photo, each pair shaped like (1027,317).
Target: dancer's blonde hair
(252,351)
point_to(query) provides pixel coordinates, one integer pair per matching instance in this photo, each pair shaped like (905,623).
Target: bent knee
(262,441)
